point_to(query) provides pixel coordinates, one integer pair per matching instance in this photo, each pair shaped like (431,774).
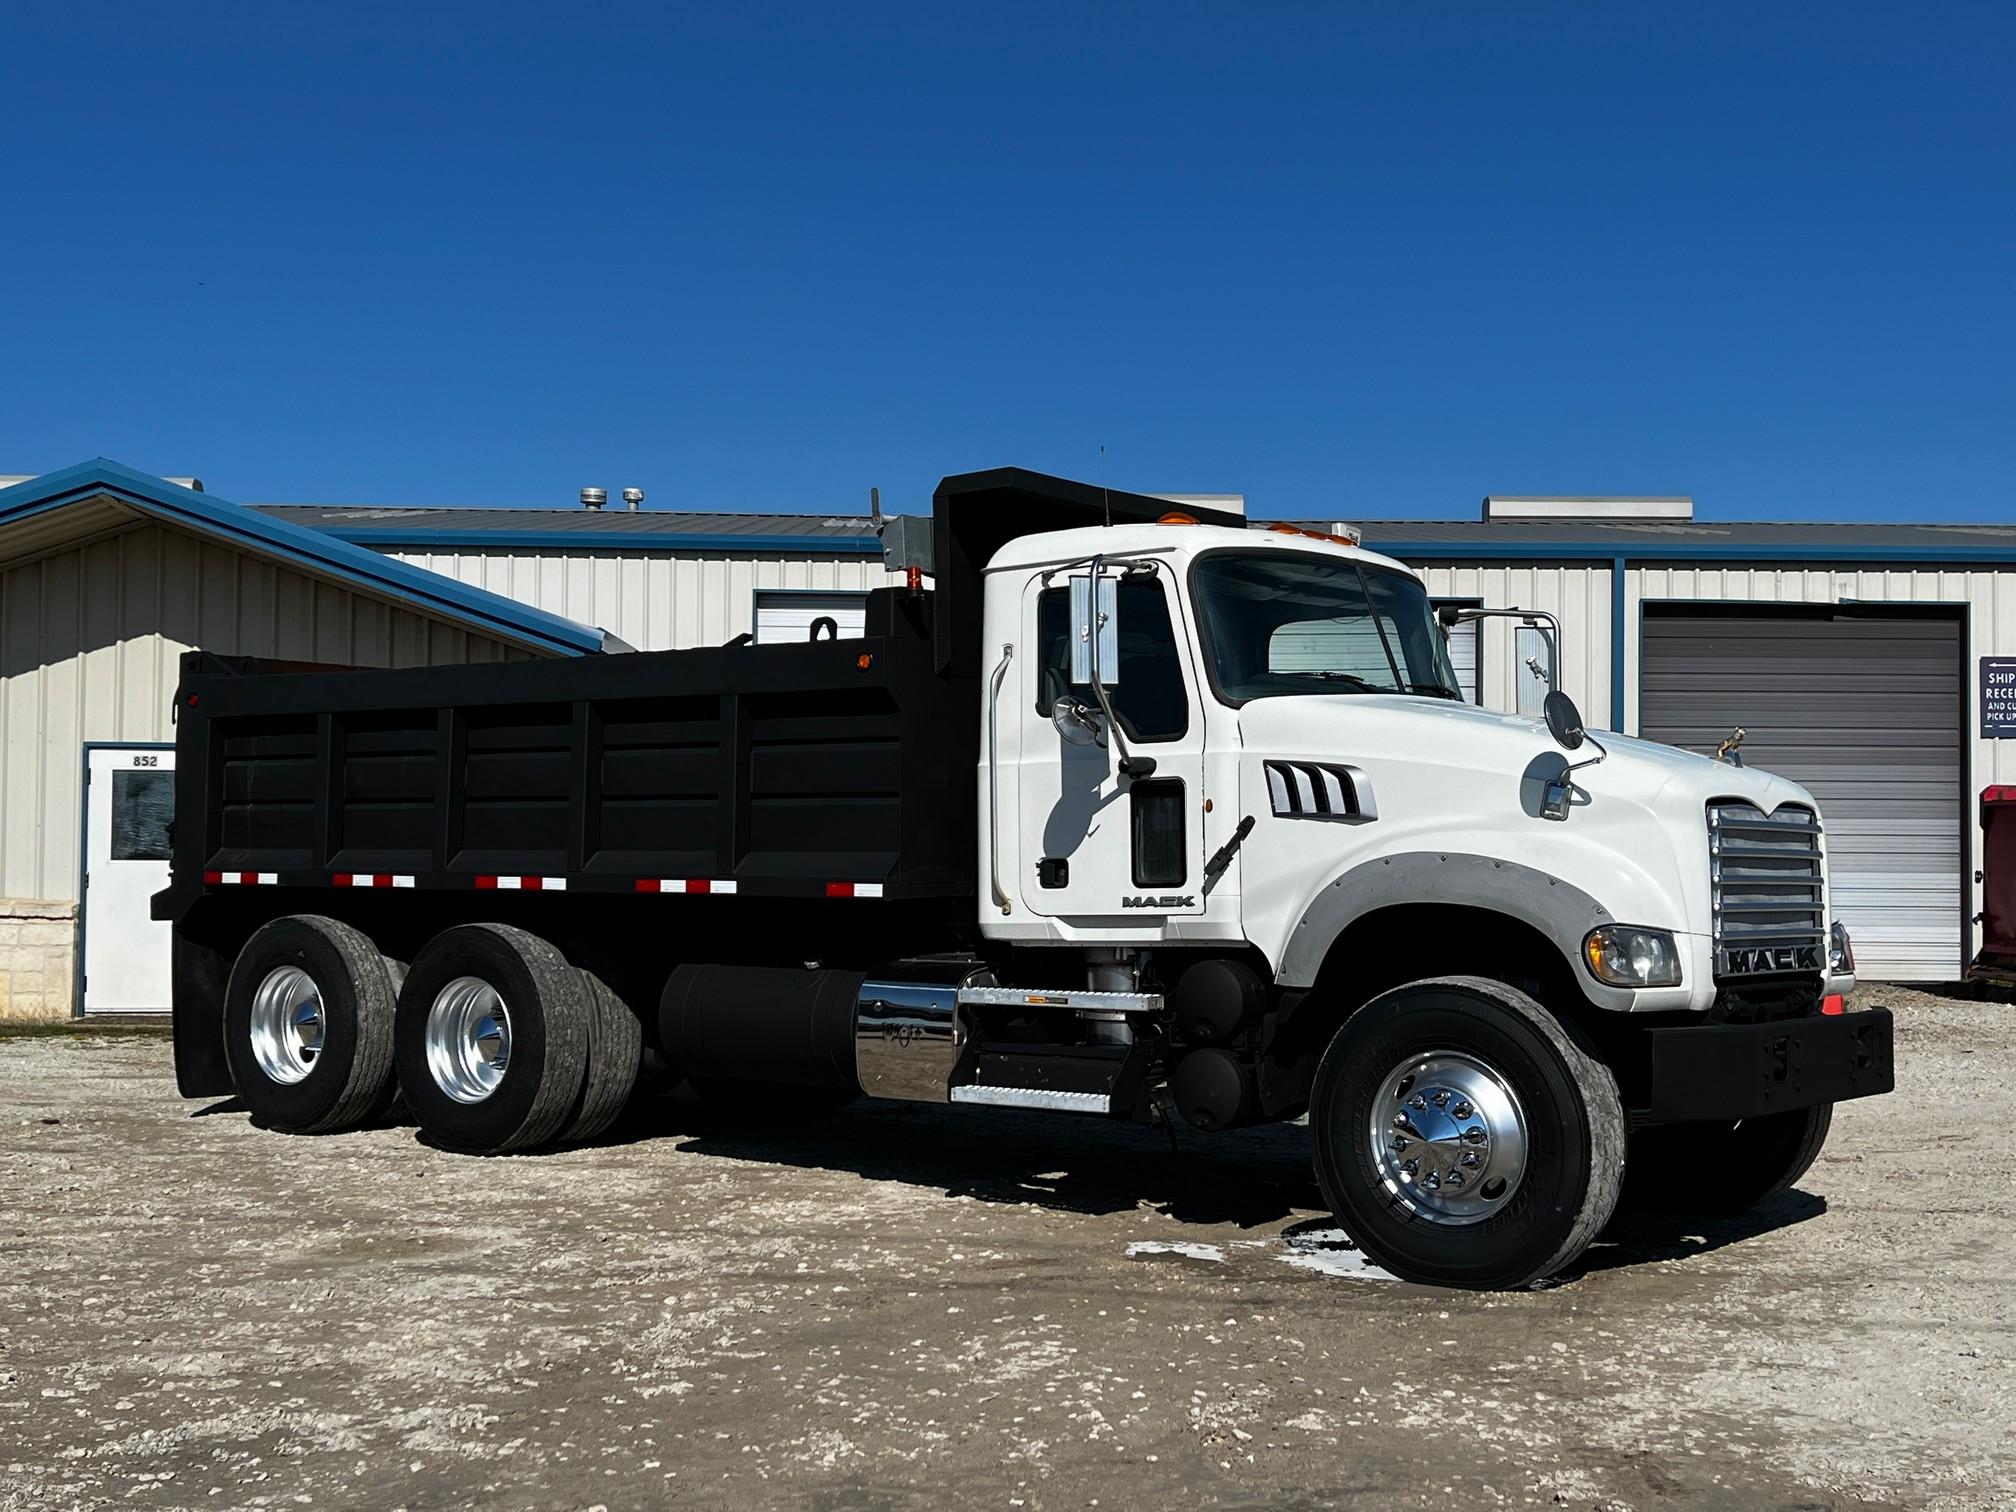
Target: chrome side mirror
(1095,630)
(1077,724)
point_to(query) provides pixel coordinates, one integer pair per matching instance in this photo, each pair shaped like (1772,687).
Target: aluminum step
(1034,1097)
(1065,997)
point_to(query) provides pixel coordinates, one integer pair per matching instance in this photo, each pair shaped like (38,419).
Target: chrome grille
(1764,870)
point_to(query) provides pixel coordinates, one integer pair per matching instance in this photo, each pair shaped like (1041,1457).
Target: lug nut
(1473,1135)
(1462,1109)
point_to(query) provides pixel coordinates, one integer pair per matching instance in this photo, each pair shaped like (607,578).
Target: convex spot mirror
(1077,724)
(1564,720)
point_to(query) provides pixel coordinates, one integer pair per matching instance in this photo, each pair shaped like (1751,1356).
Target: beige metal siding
(89,639)
(1579,593)
(652,602)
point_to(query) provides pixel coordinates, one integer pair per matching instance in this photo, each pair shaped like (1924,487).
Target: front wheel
(1462,1136)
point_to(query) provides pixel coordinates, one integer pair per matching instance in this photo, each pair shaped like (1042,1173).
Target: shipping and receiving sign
(1998,698)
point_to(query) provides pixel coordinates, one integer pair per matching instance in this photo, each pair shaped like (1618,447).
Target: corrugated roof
(1722,540)
(400,520)
(78,501)
(672,530)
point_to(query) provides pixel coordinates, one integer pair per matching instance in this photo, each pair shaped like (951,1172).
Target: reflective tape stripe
(370,879)
(853,889)
(682,885)
(524,884)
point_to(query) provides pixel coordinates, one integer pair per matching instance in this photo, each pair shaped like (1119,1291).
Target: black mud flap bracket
(1730,1071)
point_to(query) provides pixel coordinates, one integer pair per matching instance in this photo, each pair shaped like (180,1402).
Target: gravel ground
(916,1305)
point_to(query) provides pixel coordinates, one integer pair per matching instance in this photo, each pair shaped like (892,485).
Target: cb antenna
(1105,493)
(875,510)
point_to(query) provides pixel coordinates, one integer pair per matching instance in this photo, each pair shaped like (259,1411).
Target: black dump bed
(824,769)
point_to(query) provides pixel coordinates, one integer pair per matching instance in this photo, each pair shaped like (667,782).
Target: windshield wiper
(1439,690)
(1352,678)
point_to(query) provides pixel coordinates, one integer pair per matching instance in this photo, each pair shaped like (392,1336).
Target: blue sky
(1358,262)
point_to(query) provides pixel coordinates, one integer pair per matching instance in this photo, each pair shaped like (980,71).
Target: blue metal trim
(1819,556)
(1617,646)
(570,540)
(84,853)
(312,550)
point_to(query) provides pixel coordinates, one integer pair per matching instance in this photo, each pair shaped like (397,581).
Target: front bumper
(1724,1072)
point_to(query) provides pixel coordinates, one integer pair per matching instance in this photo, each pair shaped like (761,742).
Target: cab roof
(1187,540)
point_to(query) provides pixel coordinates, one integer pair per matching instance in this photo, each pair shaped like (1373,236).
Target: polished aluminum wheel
(1449,1137)
(468,1039)
(287,1024)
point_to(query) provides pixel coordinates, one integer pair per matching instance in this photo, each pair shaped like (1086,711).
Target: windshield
(1280,622)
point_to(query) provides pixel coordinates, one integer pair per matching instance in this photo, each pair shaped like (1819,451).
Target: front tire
(491,1039)
(308,1016)
(1723,1168)
(1463,1137)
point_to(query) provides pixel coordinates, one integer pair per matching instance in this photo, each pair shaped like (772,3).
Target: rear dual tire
(495,1040)
(503,1044)
(308,1026)
(1463,1137)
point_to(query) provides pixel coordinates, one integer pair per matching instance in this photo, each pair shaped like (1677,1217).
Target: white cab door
(1094,844)
(129,799)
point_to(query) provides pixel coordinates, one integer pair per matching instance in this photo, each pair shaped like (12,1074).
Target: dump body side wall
(832,768)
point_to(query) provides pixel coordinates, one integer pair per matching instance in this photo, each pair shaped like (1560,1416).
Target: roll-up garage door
(789,615)
(1864,708)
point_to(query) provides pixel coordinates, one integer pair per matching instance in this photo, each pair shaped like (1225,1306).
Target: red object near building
(1996,961)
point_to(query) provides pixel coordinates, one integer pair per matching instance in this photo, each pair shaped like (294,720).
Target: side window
(1149,700)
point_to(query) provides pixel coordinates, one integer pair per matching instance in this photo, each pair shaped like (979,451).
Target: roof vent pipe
(594,498)
(633,498)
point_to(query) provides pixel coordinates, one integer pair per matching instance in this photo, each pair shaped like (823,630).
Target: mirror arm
(1130,764)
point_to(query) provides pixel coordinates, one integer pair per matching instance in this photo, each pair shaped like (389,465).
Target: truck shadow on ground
(1250,1178)
(1246,1178)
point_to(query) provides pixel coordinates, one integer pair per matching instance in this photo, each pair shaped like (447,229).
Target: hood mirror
(1564,721)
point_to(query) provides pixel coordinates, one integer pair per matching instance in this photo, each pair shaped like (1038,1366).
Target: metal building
(1854,656)
(1848,653)
(106,576)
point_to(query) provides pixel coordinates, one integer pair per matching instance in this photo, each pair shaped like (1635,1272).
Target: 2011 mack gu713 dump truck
(1132,812)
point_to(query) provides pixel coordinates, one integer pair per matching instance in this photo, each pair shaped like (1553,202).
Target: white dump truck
(1133,812)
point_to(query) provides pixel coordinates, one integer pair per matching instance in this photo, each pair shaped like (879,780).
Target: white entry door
(129,799)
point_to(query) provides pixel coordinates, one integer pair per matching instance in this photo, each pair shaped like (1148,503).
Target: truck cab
(1118,809)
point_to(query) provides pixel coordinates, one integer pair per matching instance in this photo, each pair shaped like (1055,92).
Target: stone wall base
(38,961)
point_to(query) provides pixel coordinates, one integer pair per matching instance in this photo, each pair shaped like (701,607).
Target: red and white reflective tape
(249,879)
(369,879)
(682,885)
(853,889)
(525,884)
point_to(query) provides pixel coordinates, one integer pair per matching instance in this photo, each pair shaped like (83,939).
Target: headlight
(1840,950)
(1625,956)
